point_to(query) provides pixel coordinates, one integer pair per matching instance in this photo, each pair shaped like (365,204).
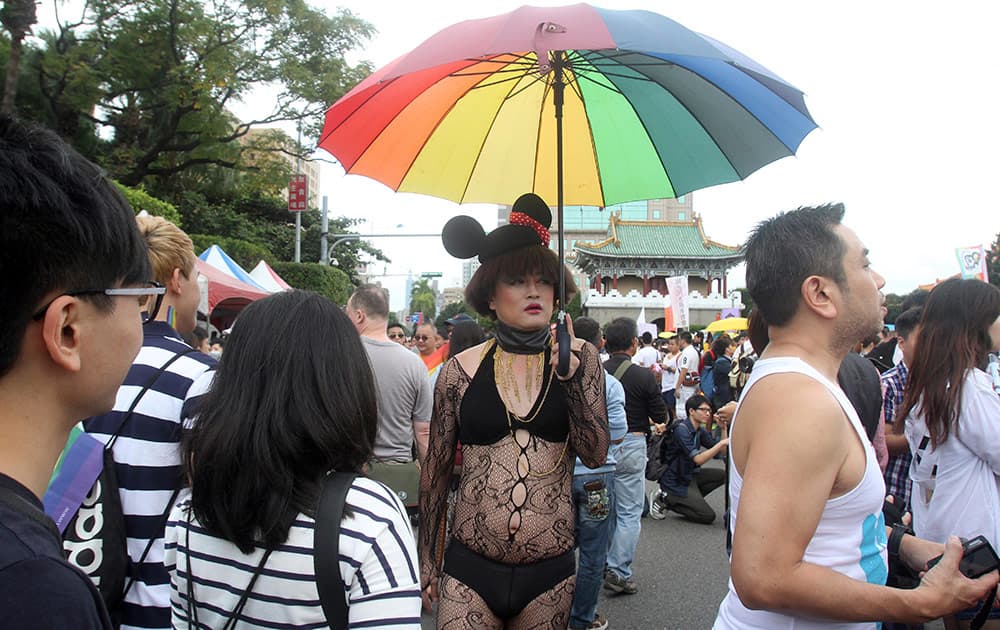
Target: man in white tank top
(809,540)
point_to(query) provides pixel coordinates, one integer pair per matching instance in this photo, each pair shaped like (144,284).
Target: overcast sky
(905,94)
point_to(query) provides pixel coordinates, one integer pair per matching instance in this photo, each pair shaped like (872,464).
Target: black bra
(483,418)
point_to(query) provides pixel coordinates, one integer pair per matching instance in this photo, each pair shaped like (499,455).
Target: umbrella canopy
(268,278)
(218,258)
(730,323)
(651,110)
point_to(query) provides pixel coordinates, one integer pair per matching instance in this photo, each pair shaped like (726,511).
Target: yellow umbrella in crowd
(730,323)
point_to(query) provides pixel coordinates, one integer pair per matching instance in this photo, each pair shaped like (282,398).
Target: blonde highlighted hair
(169,247)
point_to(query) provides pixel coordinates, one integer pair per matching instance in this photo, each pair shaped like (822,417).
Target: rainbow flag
(79,466)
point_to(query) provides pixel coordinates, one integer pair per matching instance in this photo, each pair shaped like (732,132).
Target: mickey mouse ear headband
(530,219)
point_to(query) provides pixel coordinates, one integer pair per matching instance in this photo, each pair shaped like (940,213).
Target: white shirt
(646,356)
(669,380)
(688,359)
(963,498)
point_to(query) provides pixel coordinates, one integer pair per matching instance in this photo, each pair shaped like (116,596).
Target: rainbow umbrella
(579,104)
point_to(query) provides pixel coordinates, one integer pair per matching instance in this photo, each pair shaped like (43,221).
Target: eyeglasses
(397,336)
(143,293)
(708,409)
(420,337)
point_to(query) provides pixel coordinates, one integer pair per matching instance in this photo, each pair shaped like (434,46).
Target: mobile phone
(978,558)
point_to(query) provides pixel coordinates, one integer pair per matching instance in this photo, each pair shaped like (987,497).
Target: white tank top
(850,537)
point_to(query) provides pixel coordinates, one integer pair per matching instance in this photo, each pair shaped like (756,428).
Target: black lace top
(514,498)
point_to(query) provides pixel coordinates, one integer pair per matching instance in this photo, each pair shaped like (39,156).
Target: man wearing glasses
(146,450)
(685,483)
(74,270)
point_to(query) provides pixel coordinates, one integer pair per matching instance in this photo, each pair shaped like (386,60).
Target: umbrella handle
(562,337)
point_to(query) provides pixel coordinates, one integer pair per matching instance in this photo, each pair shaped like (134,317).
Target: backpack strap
(145,388)
(326,547)
(622,368)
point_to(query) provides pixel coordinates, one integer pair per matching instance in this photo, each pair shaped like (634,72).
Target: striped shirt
(378,565)
(147,459)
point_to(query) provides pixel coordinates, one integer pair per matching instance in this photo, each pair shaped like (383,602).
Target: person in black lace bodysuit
(509,561)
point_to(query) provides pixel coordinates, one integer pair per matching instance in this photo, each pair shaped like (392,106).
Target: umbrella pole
(562,331)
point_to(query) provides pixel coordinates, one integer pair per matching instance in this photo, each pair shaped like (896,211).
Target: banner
(78,468)
(677,288)
(972,262)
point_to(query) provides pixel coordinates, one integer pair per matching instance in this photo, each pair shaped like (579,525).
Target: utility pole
(298,215)
(324,223)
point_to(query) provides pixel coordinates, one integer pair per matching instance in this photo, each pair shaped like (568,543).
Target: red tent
(226,295)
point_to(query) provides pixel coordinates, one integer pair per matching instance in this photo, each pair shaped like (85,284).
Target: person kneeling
(685,483)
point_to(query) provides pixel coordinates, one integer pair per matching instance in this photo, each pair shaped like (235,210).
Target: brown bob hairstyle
(523,261)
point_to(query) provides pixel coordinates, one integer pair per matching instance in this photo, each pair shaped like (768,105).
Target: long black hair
(289,403)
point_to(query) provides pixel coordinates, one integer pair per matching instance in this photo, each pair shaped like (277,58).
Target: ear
(821,296)
(174,282)
(61,333)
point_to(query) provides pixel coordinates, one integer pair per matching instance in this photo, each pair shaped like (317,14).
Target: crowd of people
(276,484)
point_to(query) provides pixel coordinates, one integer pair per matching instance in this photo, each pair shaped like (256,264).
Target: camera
(978,558)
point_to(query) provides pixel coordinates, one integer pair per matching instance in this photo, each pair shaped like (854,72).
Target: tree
(17,17)
(423,299)
(165,74)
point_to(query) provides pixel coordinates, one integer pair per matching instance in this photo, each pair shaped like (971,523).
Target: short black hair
(64,226)
(392,325)
(647,338)
(587,329)
(370,299)
(908,320)
(788,248)
(516,264)
(685,336)
(303,416)
(696,401)
(619,334)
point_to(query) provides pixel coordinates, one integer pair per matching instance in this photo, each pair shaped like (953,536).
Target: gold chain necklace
(503,377)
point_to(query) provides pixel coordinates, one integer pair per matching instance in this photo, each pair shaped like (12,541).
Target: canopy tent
(219,259)
(226,296)
(268,278)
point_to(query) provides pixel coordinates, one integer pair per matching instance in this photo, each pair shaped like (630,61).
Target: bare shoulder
(791,413)
(470,358)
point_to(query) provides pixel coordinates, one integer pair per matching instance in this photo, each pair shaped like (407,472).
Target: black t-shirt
(38,588)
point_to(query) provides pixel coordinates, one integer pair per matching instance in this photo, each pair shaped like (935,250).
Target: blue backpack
(708,381)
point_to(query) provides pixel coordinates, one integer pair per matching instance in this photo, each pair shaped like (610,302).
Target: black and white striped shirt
(147,459)
(378,565)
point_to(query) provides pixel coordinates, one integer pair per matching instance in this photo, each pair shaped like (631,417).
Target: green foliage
(423,299)
(893,307)
(160,77)
(450,310)
(575,307)
(245,253)
(140,200)
(329,282)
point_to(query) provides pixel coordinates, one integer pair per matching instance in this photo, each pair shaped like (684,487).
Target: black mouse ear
(463,237)
(535,207)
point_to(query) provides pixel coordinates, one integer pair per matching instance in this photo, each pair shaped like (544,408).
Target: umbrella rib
(479,153)
(666,172)
(533,82)
(578,89)
(499,82)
